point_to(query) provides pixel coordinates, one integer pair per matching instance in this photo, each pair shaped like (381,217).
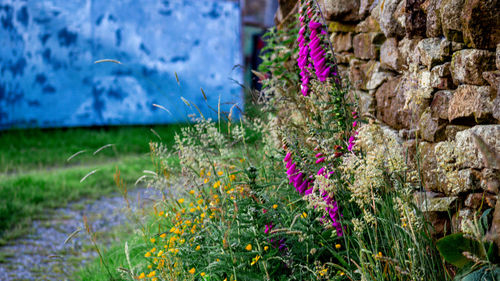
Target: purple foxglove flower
(318,155)
(355,123)
(302,187)
(288,164)
(314,25)
(287,157)
(320,160)
(309,191)
(321,171)
(291,170)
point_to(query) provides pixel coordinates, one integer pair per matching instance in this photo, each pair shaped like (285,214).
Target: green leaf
(452,246)
(483,274)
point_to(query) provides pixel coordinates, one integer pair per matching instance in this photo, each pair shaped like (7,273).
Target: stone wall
(430,70)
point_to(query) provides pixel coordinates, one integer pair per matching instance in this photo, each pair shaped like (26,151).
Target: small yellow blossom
(191,192)
(216,184)
(153,250)
(323,271)
(148,254)
(192,210)
(232,177)
(304,215)
(141,276)
(152,274)
(152,240)
(379,254)
(160,253)
(337,246)
(206,180)
(255,260)
(150,266)
(200,201)
(202,274)
(242,160)
(248,247)
(209,173)
(198,248)
(220,173)
(181,200)
(163,235)
(275,206)
(154,279)
(266,247)
(192,270)
(341,273)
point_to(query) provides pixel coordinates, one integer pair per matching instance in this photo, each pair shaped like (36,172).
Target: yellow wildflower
(150,266)
(275,206)
(266,247)
(232,177)
(206,180)
(341,273)
(209,173)
(216,184)
(242,160)
(202,274)
(148,254)
(163,235)
(248,247)
(192,210)
(191,192)
(323,271)
(152,240)
(198,248)
(255,260)
(160,253)
(161,213)
(192,270)
(200,201)
(181,200)
(153,250)
(304,215)
(154,279)
(220,173)
(152,274)
(141,276)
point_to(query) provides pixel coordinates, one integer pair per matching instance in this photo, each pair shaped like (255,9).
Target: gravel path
(43,255)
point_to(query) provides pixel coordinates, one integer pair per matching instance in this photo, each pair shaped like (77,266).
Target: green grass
(35,175)
(25,150)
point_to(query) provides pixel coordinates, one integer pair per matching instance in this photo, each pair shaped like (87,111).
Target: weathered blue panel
(48,78)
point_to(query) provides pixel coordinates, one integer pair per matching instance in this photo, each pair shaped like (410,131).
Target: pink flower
(320,160)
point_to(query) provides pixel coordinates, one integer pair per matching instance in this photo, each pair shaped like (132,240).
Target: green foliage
(452,246)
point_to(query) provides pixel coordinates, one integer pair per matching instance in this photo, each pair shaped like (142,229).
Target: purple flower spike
(291,170)
(320,160)
(287,157)
(309,191)
(321,171)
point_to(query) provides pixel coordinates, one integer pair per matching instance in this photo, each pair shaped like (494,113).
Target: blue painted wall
(48,78)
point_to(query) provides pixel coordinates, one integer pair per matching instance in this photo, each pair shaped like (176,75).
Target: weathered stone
(389,55)
(336,26)
(456,46)
(367,76)
(452,130)
(441,83)
(490,180)
(476,200)
(451,19)
(364,7)
(366,102)
(471,104)
(433,21)
(493,78)
(431,51)
(390,16)
(498,56)
(408,51)
(440,103)
(496,106)
(480,23)
(341,41)
(367,45)
(468,154)
(416,18)
(341,10)
(437,204)
(285,7)
(440,221)
(442,70)
(344,57)
(407,133)
(468,65)
(401,101)
(430,128)
(370,24)
(430,179)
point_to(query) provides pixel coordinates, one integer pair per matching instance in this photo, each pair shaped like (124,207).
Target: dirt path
(43,255)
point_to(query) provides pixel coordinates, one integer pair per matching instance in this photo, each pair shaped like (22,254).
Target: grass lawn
(35,175)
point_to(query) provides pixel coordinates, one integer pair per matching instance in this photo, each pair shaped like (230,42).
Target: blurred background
(68,125)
